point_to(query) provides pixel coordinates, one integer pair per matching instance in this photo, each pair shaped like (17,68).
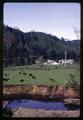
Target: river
(34,104)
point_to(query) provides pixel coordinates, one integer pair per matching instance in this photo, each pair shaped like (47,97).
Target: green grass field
(60,74)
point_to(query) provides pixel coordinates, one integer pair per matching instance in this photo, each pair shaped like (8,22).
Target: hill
(75,42)
(24,48)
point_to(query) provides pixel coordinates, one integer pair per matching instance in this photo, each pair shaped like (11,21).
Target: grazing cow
(30,74)
(24,73)
(5,79)
(19,72)
(33,77)
(21,80)
(47,69)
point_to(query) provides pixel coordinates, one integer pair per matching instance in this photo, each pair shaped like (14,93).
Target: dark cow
(5,79)
(24,73)
(21,80)
(33,77)
(30,74)
(19,72)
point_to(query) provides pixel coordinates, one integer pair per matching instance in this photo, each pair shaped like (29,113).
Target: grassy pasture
(40,75)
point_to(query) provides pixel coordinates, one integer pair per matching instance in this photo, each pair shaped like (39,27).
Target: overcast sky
(54,18)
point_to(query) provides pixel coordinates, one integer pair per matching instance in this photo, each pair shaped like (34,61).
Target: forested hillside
(21,48)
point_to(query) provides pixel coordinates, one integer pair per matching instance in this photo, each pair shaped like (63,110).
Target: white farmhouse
(69,61)
(51,62)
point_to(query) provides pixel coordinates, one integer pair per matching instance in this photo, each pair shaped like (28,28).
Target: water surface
(38,104)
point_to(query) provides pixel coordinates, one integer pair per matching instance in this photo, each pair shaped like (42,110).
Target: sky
(58,19)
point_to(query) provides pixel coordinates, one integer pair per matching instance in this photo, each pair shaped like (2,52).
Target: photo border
(1,50)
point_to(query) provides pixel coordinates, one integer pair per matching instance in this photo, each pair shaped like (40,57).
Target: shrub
(71,76)
(7,112)
(72,83)
(51,79)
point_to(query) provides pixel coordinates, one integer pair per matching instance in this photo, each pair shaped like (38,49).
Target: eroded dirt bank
(38,92)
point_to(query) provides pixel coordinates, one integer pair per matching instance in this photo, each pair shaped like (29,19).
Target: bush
(71,76)
(7,112)
(72,83)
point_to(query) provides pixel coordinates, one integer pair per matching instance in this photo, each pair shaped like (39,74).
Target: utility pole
(65,55)
(65,59)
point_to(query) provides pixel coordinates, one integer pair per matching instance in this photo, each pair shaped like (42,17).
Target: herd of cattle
(24,73)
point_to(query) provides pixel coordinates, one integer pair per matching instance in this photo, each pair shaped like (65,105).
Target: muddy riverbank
(38,92)
(43,93)
(25,112)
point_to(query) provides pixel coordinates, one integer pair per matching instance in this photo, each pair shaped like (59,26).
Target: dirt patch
(24,112)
